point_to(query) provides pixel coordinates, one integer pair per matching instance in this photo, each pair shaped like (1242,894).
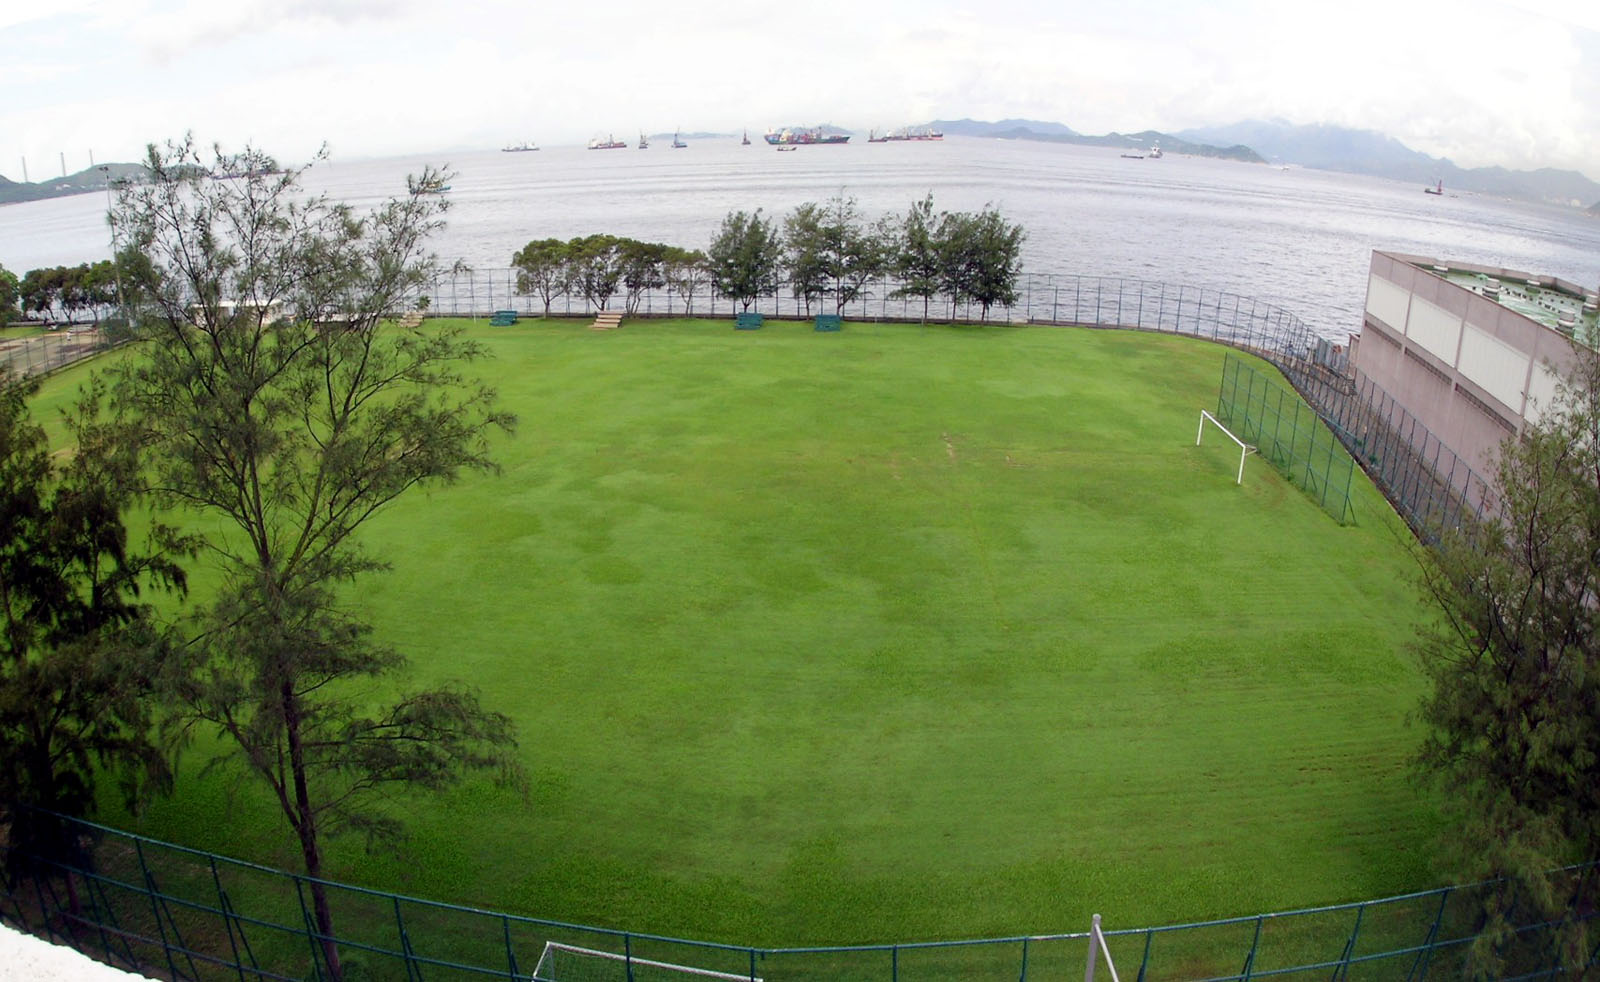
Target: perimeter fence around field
(183,914)
(1428,484)
(45,353)
(1287,432)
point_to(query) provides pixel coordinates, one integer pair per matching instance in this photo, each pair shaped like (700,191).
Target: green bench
(829,322)
(748,322)
(503,318)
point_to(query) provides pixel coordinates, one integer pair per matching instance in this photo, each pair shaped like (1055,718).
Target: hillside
(84,181)
(1368,152)
(1029,129)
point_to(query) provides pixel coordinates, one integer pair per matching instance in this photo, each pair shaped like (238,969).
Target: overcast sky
(1480,81)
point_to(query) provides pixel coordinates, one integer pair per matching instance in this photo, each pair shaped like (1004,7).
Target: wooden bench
(829,322)
(748,322)
(503,318)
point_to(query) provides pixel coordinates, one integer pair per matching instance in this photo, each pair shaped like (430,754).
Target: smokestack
(25,170)
(63,163)
(91,156)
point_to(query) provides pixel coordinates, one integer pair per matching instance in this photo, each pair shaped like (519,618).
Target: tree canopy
(277,402)
(79,651)
(745,257)
(1513,657)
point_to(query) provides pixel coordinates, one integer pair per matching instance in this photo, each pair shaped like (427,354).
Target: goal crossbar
(705,973)
(1245,449)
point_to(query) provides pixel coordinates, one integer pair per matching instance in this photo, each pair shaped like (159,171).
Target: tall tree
(981,258)
(543,270)
(596,267)
(805,253)
(745,257)
(643,269)
(854,252)
(1513,715)
(916,259)
(10,293)
(687,272)
(279,403)
(78,652)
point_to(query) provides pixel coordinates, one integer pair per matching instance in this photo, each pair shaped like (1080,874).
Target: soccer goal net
(1245,449)
(570,963)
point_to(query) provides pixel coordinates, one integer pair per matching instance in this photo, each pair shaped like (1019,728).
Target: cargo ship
(609,143)
(796,137)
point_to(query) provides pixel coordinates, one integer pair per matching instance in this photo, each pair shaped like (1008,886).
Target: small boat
(430,188)
(746,141)
(643,143)
(609,143)
(519,147)
(1436,189)
(787,148)
(677,144)
(873,137)
(1155,151)
(1133,156)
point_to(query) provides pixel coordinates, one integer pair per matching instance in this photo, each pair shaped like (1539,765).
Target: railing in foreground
(184,914)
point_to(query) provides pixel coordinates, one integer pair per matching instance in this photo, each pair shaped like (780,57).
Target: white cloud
(1482,81)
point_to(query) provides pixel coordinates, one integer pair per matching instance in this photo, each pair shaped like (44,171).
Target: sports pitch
(898,633)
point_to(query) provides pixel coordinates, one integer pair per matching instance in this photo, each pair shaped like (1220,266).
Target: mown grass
(898,633)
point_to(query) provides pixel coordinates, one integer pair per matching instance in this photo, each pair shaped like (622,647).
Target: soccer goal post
(1245,449)
(571,963)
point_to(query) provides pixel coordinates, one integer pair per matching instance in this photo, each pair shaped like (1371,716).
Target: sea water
(1299,238)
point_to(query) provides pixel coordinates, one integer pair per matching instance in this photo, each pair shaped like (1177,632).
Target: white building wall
(1494,366)
(1435,330)
(1387,302)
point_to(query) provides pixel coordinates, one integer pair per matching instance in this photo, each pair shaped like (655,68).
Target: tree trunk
(306,827)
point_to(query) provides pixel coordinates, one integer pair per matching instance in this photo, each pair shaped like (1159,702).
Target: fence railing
(44,353)
(185,914)
(1430,485)
(1288,433)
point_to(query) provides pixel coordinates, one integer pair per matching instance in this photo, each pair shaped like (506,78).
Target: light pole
(116,263)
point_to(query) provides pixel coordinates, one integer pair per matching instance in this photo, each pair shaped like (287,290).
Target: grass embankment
(898,633)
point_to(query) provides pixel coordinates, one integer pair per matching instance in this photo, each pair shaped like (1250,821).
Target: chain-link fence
(183,914)
(47,352)
(1285,431)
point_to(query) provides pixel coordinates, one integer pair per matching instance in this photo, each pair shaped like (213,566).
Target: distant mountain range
(1321,147)
(1257,141)
(1032,129)
(1366,152)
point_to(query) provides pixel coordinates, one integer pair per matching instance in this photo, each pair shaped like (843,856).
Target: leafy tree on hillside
(78,653)
(543,270)
(745,257)
(1513,655)
(281,407)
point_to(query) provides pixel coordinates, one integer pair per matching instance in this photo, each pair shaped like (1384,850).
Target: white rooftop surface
(24,958)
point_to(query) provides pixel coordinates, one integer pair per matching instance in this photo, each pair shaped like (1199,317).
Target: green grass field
(898,633)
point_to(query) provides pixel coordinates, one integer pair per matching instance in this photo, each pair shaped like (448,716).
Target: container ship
(795,137)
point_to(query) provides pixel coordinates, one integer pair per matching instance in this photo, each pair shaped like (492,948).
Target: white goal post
(571,963)
(1245,449)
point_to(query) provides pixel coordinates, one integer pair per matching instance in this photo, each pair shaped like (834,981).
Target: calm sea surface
(1299,238)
